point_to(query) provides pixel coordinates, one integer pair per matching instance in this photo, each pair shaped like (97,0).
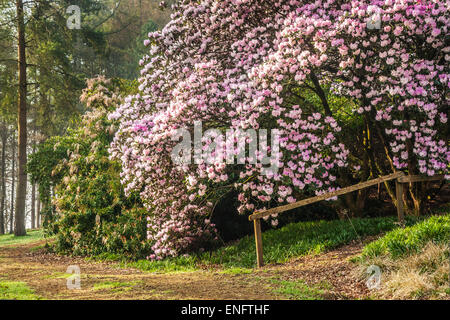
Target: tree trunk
(21,193)
(38,211)
(13,181)
(3,134)
(33,194)
(33,206)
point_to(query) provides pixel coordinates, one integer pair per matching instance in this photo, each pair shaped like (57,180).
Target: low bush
(89,213)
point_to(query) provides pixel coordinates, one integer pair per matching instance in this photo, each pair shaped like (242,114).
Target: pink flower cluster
(235,64)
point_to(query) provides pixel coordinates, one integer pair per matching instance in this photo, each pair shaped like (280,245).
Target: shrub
(90,213)
(292,66)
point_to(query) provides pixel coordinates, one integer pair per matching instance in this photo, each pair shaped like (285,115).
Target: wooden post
(258,240)
(399,194)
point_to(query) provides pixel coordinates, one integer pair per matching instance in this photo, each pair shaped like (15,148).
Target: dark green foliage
(41,166)
(123,232)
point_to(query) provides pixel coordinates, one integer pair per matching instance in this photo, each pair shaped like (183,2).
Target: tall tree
(38,51)
(19,226)
(3,136)
(13,180)
(8,106)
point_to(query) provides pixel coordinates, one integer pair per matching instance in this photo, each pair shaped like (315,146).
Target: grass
(415,261)
(403,242)
(11,239)
(299,290)
(116,286)
(235,271)
(280,245)
(58,275)
(10,290)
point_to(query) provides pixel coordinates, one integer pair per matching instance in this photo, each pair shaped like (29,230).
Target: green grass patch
(179,264)
(116,286)
(299,290)
(10,290)
(40,248)
(11,239)
(106,256)
(280,245)
(410,240)
(235,271)
(58,275)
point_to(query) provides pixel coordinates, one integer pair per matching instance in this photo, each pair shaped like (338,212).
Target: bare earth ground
(46,275)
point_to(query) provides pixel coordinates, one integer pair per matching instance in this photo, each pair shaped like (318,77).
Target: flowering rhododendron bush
(294,66)
(89,212)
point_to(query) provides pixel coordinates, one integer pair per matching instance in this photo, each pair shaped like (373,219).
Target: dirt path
(46,275)
(333,268)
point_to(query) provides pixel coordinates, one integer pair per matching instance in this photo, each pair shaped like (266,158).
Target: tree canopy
(295,66)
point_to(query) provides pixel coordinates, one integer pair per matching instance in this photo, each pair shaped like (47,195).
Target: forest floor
(327,275)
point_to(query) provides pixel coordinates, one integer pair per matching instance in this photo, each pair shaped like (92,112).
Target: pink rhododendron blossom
(232,65)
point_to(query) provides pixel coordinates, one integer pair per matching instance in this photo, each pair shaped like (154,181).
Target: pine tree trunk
(13,181)
(3,134)
(21,193)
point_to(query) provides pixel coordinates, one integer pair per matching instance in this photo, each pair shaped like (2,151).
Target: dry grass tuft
(419,276)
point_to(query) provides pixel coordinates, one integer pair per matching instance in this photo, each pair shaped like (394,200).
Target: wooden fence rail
(400,180)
